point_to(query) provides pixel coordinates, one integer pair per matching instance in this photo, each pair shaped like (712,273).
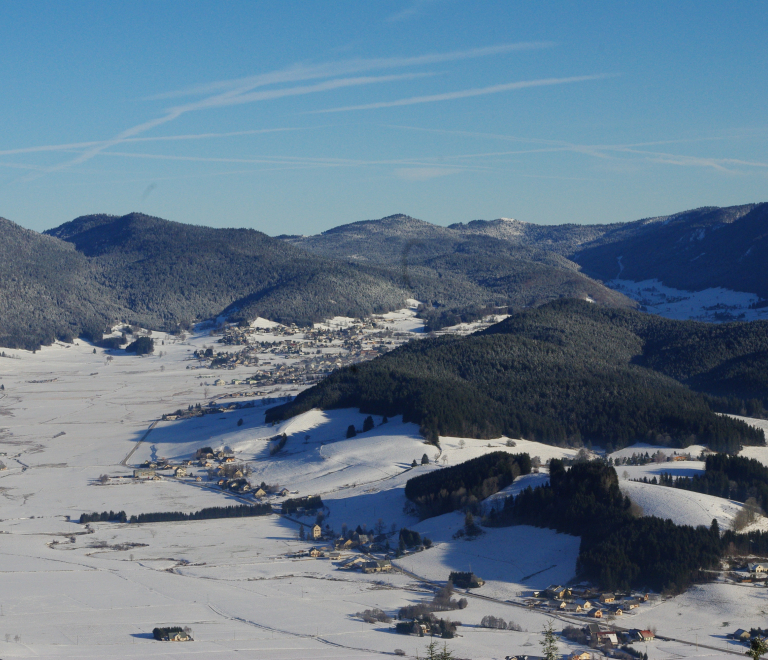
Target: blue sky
(294,117)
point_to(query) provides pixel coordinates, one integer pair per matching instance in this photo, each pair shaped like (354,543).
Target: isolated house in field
(179,636)
(758,568)
(143,473)
(284,492)
(645,635)
(260,493)
(741,635)
(317,532)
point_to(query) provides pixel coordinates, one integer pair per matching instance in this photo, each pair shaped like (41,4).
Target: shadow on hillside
(528,556)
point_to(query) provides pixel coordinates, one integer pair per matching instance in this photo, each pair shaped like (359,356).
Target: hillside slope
(46,289)
(694,250)
(165,271)
(96,270)
(458,268)
(566,372)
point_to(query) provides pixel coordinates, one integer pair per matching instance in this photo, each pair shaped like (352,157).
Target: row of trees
(236,511)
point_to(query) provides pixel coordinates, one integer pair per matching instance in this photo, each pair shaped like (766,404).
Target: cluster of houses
(211,409)
(366,564)
(319,351)
(152,469)
(585,601)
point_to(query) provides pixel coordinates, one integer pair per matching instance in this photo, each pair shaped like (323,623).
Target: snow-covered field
(69,415)
(715,304)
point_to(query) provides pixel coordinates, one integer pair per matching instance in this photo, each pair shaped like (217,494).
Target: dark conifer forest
(566,373)
(732,477)
(459,486)
(618,550)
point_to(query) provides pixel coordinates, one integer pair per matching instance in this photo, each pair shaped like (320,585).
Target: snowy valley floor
(68,416)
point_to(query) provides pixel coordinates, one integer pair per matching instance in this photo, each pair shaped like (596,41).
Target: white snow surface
(715,304)
(69,415)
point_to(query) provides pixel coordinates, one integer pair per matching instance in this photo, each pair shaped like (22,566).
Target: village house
(316,552)
(143,473)
(584,655)
(179,636)
(605,636)
(595,613)
(378,566)
(557,591)
(645,635)
(572,607)
(741,635)
(259,493)
(758,568)
(317,532)
(180,472)
(607,598)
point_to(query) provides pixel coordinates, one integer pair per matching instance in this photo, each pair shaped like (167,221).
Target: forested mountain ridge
(164,269)
(87,274)
(694,250)
(97,270)
(46,289)
(449,269)
(564,373)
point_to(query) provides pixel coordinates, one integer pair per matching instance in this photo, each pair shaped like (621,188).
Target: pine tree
(549,643)
(302,534)
(757,647)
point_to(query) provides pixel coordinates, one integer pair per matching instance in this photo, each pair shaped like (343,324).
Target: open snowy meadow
(69,414)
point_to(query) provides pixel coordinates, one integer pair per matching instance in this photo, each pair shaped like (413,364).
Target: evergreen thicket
(618,551)
(566,373)
(732,477)
(309,503)
(458,486)
(141,346)
(104,516)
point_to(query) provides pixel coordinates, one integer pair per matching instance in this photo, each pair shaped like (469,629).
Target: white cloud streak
(166,138)
(302,72)
(467,93)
